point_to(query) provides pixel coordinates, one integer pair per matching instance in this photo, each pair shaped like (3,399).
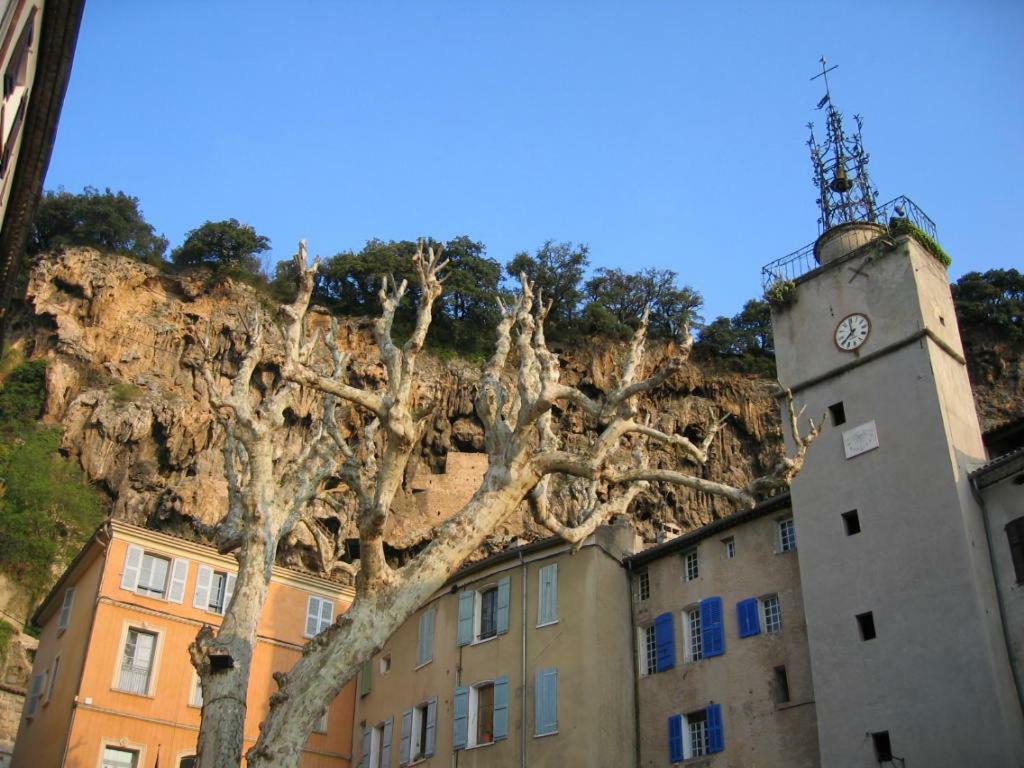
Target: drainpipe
(976,493)
(522,697)
(633,664)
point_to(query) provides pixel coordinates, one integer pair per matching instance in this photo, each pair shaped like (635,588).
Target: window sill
(785,551)
(133,693)
(544,735)
(547,624)
(421,666)
(483,640)
(481,746)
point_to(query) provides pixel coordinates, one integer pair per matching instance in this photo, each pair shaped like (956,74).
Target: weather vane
(840,166)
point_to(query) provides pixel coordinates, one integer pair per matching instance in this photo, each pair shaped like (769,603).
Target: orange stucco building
(112,684)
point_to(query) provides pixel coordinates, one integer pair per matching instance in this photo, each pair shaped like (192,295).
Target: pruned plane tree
(517,391)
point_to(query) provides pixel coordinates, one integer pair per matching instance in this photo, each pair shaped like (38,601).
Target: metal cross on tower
(840,167)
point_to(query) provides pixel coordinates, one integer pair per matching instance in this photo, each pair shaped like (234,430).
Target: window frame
(137,752)
(419,731)
(730,547)
(693,636)
(321,625)
(142,629)
(546,620)
(195,693)
(473,723)
(478,613)
(691,565)
(51,680)
(771,627)
(66,606)
(643,588)
(647,645)
(786,543)
(421,634)
(148,590)
(1015,540)
(695,735)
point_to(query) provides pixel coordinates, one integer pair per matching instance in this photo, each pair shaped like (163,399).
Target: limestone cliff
(121,338)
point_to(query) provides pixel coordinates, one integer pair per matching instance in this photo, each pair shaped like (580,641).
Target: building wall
(757,730)
(163,720)
(589,645)
(1004,502)
(918,564)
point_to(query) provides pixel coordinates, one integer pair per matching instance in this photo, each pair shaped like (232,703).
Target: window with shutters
(65,609)
(419,729)
(425,637)
(545,699)
(136,669)
(487,616)
(115,757)
(692,566)
(648,646)
(692,629)
(1015,538)
(154,575)
(379,746)
(319,615)
(787,535)
(696,734)
(484,612)
(747,612)
(547,600)
(54,670)
(481,710)
(213,590)
(643,589)
(35,690)
(772,614)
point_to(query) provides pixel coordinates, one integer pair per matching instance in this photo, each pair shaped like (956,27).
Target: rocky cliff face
(121,339)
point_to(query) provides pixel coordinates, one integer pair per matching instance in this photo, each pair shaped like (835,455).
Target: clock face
(852,331)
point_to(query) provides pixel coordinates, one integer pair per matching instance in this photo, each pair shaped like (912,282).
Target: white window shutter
(312,616)
(326,614)
(65,608)
(179,575)
(132,563)
(385,742)
(229,590)
(204,579)
(428,749)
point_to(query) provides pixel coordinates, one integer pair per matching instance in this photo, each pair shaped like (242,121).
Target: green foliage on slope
(47,507)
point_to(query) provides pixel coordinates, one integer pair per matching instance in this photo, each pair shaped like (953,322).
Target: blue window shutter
(405,747)
(747,617)
(675,738)
(545,700)
(504,595)
(385,742)
(367,741)
(460,721)
(467,599)
(425,641)
(547,605)
(501,708)
(716,735)
(428,748)
(712,627)
(665,641)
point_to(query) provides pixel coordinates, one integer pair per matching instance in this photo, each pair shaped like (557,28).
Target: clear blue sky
(667,134)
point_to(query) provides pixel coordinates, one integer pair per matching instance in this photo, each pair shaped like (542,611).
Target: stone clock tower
(908,655)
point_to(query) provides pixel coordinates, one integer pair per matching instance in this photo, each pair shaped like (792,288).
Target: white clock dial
(852,331)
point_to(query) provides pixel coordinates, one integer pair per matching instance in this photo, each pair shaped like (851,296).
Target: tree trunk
(333,658)
(225,688)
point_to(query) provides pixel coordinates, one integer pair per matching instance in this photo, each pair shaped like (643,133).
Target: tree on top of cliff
(517,396)
(992,300)
(625,297)
(105,220)
(556,272)
(226,243)
(743,342)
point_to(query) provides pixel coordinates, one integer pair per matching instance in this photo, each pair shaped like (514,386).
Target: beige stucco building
(723,669)
(525,659)
(113,685)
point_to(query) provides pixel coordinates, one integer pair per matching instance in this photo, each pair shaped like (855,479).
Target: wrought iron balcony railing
(801,261)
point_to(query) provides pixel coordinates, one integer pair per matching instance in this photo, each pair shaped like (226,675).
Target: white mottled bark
(267,496)
(523,452)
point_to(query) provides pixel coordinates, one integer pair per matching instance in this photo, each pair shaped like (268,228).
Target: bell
(841,183)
